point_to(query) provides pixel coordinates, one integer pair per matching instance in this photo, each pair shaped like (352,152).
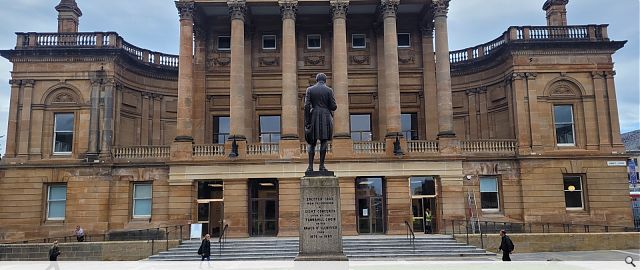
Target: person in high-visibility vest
(427,220)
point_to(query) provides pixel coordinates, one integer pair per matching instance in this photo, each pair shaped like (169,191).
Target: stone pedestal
(320,230)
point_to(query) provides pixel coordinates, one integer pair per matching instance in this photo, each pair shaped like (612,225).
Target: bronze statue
(319,105)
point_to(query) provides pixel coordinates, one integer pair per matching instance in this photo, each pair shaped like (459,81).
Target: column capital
(110,82)
(28,83)
(389,8)
(237,9)
(610,74)
(15,83)
(597,75)
(518,76)
(288,9)
(531,75)
(185,9)
(440,8)
(339,9)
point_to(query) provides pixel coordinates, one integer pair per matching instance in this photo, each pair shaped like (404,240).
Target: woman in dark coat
(205,248)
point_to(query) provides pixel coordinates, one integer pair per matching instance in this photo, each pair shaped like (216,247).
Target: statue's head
(321,78)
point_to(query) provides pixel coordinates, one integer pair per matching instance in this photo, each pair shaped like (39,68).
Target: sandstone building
(115,137)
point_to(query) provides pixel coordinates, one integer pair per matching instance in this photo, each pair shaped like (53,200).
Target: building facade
(115,137)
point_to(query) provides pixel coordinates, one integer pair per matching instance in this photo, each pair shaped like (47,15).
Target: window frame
(55,133)
(218,43)
(270,133)
(497,179)
(582,192)
(556,123)
(408,35)
(364,38)
(416,129)
(49,186)
(275,42)
(216,127)
(319,39)
(133,201)
(351,131)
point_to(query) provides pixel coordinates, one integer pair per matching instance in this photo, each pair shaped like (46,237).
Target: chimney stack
(556,12)
(68,16)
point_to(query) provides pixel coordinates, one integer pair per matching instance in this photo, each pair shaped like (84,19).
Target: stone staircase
(356,248)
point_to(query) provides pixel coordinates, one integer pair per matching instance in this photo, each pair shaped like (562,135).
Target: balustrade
(369,147)
(304,147)
(422,146)
(476,146)
(141,152)
(208,150)
(263,149)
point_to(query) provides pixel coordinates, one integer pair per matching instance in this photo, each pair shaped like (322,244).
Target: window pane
(57,193)
(422,186)
(358,41)
(224,42)
(203,212)
(63,142)
(56,209)
(488,184)
(142,207)
(313,41)
(268,42)
(404,40)
(573,199)
(573,181)
(360,122)
(64,122)
(141,191)
(489,200)
(564,133)
(563,114)
(269,124)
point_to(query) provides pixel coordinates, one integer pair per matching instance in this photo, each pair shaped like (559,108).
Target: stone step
(290,256)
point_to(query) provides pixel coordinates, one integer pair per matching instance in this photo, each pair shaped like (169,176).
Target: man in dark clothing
(506,246)
(54,252)
(319,105)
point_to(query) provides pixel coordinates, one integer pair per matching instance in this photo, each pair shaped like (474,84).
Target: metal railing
(519,34)
(410,234)
(222,239)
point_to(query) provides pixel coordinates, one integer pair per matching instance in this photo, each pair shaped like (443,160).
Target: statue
(319,105)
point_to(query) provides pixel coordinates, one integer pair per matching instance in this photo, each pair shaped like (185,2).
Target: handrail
(535,227)
(138,235)
(223,238)
(410,234)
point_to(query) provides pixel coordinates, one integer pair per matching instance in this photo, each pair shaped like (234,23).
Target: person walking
(205,248)
(54,252)
(79,233)
(506,245)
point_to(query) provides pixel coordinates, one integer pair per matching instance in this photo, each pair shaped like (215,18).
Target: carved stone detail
(237,9)
(360,59)
(531,75)
(339,9)
(28,83)
(185,9)
(406,57)
(477,90)
(597,75)
(389,8)
(314,60)
(222,61)
(269,61)
(440,8)
(63,98)
(518,75)
(288,9)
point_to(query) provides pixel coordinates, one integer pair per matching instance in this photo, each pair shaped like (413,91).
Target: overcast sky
(153,24)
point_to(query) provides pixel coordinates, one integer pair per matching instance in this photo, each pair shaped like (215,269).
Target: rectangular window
(269,129)
(358,41)
(142,194)
(268,42)
(220,129)
(422,186)
(56,202)
(409,123)
(63,133)
(314,41)
(404,40)
(563,117)
(489,193)
(573,195)
(361,127)
(224,43)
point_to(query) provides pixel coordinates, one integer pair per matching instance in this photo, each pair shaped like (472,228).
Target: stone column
(429,84)
(443,70)
(616,141)
(237,12)
(199,82)
(185,72)
(599,86)
(289,70)
(534,115)
(25,118)
(389,10)
(144,122)
(94,117)
(155,122)
(12,131)
(521,115)
(339,73)
(107,124)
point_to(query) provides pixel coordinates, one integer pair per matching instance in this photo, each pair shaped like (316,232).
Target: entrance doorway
(370,201)
(211,207)
(423,204)
(263,207)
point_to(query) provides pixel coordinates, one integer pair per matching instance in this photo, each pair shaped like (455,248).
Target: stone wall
(535,242)
(87,251)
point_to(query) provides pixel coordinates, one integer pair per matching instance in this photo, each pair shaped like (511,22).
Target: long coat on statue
(319,104)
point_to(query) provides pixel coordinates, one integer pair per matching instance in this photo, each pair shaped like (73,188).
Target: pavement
(598,255)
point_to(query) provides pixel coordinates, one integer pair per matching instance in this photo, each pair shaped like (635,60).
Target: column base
(237,137)
(446,134)
(342,136)
(393,135)
(183,139)
(289,137)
